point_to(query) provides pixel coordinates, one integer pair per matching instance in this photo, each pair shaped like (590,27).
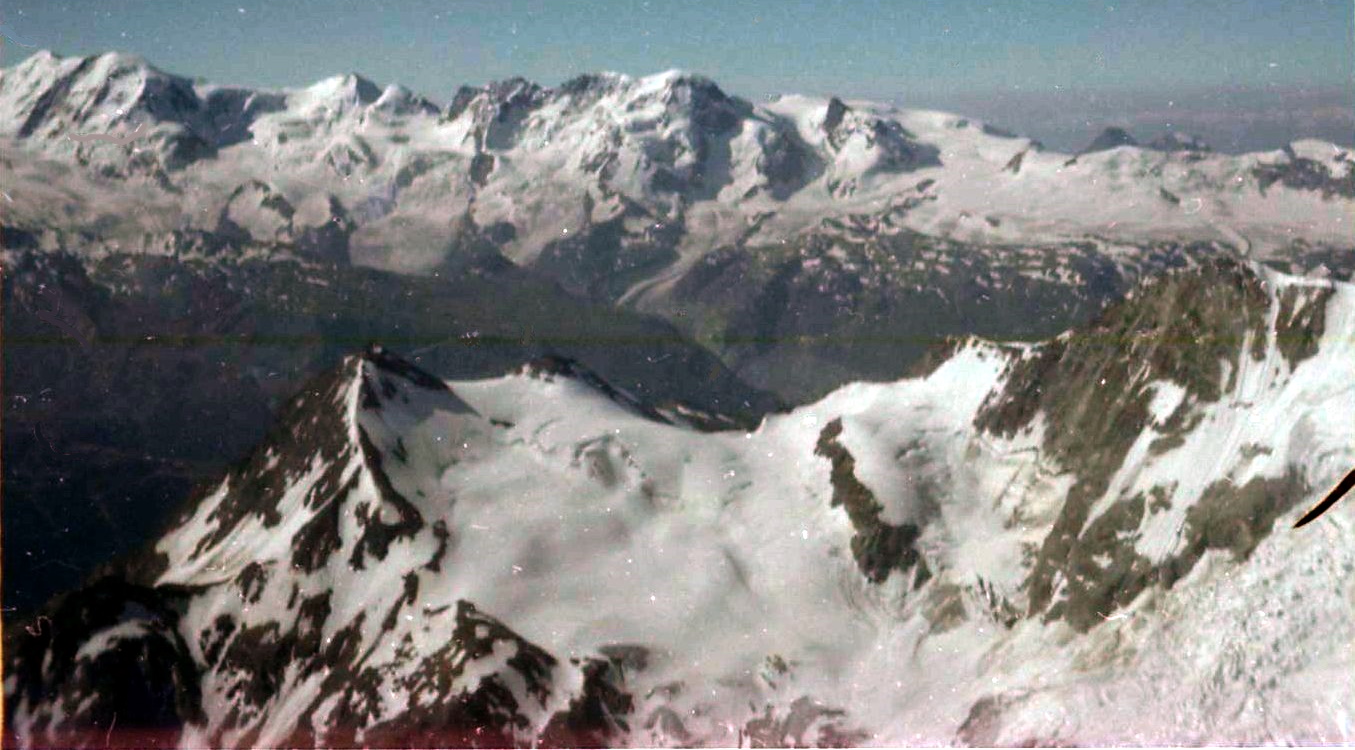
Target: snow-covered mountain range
(1080,541)
(1127,372)
(640,190)
(652,157)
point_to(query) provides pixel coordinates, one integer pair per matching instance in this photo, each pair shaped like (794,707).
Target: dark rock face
(601,261)
(445,709)
(984,721)
(598,715)
(880,548)
(1316,260)
(1094,388)
(1299,173)
(832,120)
(1301,322)
(497,111)
(1218,307)
(1234,518)
(806,724)
(138,688)
(713,110)
(788,163)
(230,113)
(994,130)
(440,716)
(328,240)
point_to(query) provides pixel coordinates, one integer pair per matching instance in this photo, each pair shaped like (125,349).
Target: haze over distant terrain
(1233,121)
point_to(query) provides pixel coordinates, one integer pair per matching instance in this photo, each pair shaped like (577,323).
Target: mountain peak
(1111,137)
(44,66)
(50,96)
(336,437)
(678,80)
(496,96)
(349,89)
(595,82)
(399,100)
(505,89)
(388,362)
(673,77)
(127,60)
(106,61)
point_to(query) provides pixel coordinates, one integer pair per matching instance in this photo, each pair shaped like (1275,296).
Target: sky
(1239,70)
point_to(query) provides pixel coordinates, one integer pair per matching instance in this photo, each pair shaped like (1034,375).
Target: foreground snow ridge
(959,557)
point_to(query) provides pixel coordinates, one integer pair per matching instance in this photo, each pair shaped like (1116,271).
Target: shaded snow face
(1078,541)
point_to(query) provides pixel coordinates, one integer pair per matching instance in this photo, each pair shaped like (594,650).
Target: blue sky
(921,52)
